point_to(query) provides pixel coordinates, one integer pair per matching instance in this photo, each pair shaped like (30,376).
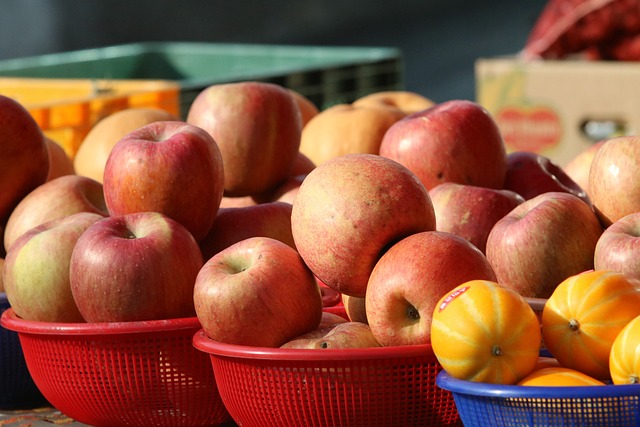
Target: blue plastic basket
(17,389)
(482,404)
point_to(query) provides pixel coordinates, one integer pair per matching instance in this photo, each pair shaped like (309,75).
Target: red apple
(411,277)
(257,292)
(329,319)
(578,167)
(618,248)
(234,224)
(59,197)
(349,210)
(139,266)
(24,158)
(614,178)
(36,272)
(531,174)
(339,335)
(542,242)
(60,163)
(454,141)
(257,126)
(1,279)
(169,167)
(470,211)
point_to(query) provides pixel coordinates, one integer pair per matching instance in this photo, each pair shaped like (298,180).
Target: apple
(257,292)
(36,271)
(329,319)
(454,141)
(234,224)
(542,242)
(531,174)
(614,178)
(411,277)
(139,266)
(406,101)
(578,167)
(284,192)
(618,248)
(59,197)
(257,126)
(1,279)
(339,335)
(355,308)
(330,297)
(170,167)
(60,163)
(24,158)
(349,210)
(470,211)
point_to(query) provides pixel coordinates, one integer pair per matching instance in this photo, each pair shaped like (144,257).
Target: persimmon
(557,376)
(484,332)
(624,358)
(583,316)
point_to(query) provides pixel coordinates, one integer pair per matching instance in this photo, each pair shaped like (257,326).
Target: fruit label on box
(453,295)
(529,128)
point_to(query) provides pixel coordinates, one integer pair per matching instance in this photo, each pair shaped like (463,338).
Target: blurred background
(439,39)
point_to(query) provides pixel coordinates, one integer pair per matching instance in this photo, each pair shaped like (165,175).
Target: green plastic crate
(326,75)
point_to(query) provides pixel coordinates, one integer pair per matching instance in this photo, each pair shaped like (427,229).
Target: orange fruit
(556,376)
(546,362)
(624,358)
(484,332)
(307,108)
(583,316)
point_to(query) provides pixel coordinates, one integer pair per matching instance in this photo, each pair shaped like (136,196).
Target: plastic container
(482,405)
(66,109)
(122,374)
(17,389)
(386,386)
(325,74)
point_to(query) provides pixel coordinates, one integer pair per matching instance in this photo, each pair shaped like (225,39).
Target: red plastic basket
(122,374)
(386,386)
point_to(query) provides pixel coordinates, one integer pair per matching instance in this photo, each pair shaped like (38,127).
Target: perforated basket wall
(122,374)
(482,405)
(350,387)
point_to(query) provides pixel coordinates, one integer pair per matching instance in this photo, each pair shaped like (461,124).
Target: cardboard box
(559,108)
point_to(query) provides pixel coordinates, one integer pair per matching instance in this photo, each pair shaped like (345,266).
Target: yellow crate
(66,109)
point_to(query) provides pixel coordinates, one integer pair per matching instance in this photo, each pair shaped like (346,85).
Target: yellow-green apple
(36,272)
(618,248)
(531,174)
(24,159)
(60,163)
(346,129)
(170,167)
(578,167)
(59,197)
(470,211)
(355,308)
(349,210)
(542,242)
(614,178)
(234,224)
(411,277)
(139,266)
(454,141)
(257,292)
(257,126)
(339,335)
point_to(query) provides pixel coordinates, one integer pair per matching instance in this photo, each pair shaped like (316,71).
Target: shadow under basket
(482,404)
(142,374)
(385,386)
(17,389)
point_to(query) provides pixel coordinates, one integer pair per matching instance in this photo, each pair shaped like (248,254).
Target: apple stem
(324,344)
(633,379)
(413,313)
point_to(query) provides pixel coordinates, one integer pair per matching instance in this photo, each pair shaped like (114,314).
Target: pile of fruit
(257,205)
